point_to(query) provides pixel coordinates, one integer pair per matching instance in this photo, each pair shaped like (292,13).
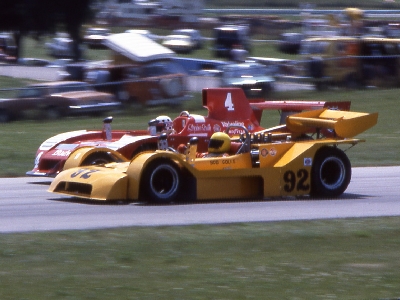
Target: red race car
(226,107)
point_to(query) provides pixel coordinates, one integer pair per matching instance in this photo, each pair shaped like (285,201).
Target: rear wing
(289,107)
(231,104)
(345,124)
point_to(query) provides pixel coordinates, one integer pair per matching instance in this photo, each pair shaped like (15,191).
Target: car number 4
(229,103)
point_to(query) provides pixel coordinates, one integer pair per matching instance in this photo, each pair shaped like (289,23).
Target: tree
(24,17)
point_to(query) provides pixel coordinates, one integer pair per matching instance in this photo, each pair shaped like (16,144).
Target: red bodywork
(226,107)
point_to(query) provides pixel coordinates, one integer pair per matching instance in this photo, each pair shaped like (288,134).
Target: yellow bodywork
(80,154)
(233,177)
(269,169)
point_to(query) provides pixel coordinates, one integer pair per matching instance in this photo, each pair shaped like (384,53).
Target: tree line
(38,17)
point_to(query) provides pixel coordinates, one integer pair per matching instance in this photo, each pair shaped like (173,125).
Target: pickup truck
(53,100)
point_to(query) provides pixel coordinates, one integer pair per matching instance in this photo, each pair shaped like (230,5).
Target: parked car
(33,62)
(179,43)
(154,83)
(52,100)
(8,49)
(194,35)
(290,42)
(95,37)
(254,78)
(143,32)
(228,37)
(392,30)
(61,47)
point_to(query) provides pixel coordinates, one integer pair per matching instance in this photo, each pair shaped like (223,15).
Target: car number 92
(296,181)
(83,173)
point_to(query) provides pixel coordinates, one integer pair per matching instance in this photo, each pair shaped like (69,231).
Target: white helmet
(160,124)
(164,122)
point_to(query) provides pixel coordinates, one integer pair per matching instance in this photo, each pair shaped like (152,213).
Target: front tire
(97,159)
(331,173)
(161,182)
(53,113)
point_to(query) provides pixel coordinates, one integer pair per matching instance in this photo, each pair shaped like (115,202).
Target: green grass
(336,259)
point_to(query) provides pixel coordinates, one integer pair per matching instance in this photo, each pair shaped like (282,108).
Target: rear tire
(331,172)
(351,82)
(4,116)
(161,182)
(53,113)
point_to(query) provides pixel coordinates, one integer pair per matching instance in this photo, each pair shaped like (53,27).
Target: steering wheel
(245,147)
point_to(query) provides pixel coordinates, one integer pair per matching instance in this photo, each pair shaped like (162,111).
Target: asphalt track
(25,205)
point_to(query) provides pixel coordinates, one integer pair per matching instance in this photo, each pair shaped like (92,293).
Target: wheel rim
(164,181)
(332,173)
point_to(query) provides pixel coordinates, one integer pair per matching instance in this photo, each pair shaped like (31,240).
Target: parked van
(351,61)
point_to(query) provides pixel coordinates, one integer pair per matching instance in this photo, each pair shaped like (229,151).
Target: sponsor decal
(228,161)
(237,123)
(264,152)
(217,128)
(63,153)
(272,151)
(307,161)
(223,161)
(199,127)
(236,131)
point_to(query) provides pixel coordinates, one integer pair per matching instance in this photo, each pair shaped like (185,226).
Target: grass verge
(335,259)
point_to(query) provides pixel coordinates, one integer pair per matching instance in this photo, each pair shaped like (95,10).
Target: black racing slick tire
(53,113)
(97,159)
(331,172)
(4,116)
(161,182)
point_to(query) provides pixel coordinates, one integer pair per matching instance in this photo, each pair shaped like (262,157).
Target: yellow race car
(269,163)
